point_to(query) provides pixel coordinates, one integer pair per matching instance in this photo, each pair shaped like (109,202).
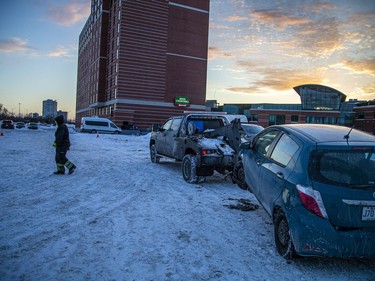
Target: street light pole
(19,109)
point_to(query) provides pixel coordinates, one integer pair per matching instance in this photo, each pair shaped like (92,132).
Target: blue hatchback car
(317,182)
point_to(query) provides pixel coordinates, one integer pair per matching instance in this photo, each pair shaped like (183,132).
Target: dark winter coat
(62,134)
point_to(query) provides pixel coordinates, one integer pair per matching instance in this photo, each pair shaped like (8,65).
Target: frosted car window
(284,150)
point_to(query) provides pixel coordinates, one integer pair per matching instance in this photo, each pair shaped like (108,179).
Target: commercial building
(365,117)
(140,62)
(319,104)
(49,109)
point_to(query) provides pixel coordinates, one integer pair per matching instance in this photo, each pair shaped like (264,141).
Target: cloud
(370,15)
(277,79)
(69,14)
(317,7)
(235,18)
(361,65)
(320,38)
(277,18)
(215,53)
(369,90)
(15,45)
(59,52)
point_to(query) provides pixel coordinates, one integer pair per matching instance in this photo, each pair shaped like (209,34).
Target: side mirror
(245,145)
(154,127)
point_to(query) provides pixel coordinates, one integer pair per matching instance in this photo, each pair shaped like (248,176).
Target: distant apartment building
(140,62)
(64,114)
(49,108)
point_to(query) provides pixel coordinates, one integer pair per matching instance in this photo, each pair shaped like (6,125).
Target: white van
(96,124)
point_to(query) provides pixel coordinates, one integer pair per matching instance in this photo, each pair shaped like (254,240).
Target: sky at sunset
(258,50)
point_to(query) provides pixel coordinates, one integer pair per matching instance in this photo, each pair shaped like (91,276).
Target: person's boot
(60,170)
(71,167)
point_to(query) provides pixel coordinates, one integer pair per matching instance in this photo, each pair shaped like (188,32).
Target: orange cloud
(235,18)
(278,19)
(361,66)
(215,53)
(280,80)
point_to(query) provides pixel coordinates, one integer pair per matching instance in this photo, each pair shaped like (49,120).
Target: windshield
(206,123)
(353,168)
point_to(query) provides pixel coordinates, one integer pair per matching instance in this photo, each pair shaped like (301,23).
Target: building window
(276,119)
(294,119)
(272,119)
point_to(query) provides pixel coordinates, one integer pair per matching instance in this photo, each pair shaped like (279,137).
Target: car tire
(154,154)
(283,238)
(239,175)
(189,168)
(93,131)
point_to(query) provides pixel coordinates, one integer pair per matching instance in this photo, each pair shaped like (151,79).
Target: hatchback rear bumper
(315,236)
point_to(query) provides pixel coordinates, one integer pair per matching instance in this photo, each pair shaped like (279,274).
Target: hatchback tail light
(312,200)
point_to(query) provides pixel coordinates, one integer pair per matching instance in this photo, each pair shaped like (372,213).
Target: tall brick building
(140,60)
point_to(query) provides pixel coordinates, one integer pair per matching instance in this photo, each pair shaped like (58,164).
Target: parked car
(20,125)
(317,182)
(33,125)
(249,131)
(7,124)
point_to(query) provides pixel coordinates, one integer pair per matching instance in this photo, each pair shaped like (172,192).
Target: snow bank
(121,217)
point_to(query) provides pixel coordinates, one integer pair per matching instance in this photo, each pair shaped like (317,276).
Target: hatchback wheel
(239,175)
(154,154)
(283,239)
(189,168)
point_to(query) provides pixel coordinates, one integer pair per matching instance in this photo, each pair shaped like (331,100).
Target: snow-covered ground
(121,217)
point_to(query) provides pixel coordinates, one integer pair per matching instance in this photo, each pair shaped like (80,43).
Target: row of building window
(280,119)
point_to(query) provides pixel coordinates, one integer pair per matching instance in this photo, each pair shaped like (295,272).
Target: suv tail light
(312,200)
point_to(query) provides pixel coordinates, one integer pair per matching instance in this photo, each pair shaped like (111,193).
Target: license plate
(368,213)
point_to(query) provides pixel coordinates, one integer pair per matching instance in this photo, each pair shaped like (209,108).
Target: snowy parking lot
(121,217)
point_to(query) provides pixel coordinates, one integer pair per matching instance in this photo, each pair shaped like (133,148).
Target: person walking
(62,144)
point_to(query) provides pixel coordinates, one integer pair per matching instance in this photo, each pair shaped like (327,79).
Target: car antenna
(347,135)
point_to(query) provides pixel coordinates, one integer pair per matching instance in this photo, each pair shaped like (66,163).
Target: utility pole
(19,109)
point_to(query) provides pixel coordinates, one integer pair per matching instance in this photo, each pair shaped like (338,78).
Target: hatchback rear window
(343,167)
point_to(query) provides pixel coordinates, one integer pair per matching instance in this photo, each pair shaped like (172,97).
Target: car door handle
(280,175)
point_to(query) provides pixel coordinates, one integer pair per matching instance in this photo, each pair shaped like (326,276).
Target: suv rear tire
(189,168)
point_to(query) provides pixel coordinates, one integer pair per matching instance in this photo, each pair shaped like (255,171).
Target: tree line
(6,114)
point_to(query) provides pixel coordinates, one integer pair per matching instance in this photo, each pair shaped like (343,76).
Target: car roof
(319,133)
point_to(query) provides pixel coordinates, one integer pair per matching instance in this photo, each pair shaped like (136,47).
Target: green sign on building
(182,101)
